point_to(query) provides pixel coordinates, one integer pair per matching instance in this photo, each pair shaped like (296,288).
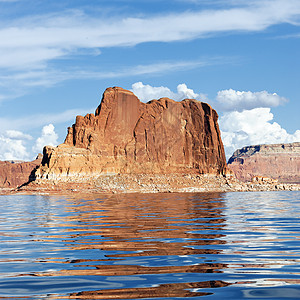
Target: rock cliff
(278,161)
(14,174)
(127,136)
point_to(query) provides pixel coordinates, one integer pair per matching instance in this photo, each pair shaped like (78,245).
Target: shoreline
(145,183)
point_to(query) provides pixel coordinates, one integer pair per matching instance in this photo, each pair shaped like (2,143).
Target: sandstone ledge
(145,183)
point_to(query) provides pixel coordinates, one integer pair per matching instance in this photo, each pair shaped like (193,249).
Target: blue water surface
(151,246)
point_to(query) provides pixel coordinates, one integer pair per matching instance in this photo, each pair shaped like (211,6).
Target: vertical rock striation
(128,136)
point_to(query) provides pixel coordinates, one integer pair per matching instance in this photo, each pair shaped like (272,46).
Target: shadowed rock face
(128,136)
(278,161)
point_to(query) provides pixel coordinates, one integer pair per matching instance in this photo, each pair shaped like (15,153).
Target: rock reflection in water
(142,234)
(191,289)
(150,246)
(142,225)
(147,225)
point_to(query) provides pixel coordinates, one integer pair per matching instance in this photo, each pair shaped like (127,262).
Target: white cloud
(48,138)
(147,92)
(41,78)
(29,44)
(252,127)
(15,134)
(35,40)
(229,100)
(184,92)
(13,145)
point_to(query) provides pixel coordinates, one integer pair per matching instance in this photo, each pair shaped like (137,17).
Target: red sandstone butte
(14,174)
(277,161)
(127,136)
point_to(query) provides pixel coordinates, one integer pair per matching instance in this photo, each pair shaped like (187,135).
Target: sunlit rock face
(127,136)
(277,161)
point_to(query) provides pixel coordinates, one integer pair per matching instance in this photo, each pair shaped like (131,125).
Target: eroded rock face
(127,136)
(14,174)
(278,161)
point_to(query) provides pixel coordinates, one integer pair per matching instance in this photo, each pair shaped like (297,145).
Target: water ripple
(221,245)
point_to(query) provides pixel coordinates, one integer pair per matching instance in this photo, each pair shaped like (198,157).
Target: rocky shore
(145,183)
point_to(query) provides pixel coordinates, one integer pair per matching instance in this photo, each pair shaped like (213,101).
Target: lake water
(153,246)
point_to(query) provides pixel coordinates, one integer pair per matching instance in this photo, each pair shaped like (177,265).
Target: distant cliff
(14,174)
(127,136)
(278,161)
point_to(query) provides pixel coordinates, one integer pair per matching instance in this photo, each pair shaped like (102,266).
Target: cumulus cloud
(146,92)
(13,145)
(229,100)
(252,127)
(48,138)
(17,135)
(184,92)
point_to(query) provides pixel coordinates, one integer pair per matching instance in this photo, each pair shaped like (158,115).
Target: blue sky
(58,57)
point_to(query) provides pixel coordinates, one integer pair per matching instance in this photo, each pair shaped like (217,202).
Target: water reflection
(141,234)
(147,225)
(175,290)
(148,246)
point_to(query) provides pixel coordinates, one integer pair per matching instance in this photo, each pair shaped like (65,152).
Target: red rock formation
(278,161)
(14,174)
(131,137)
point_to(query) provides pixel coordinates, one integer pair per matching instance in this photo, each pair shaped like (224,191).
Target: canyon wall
(127,136)
(277,161)
(14,174)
